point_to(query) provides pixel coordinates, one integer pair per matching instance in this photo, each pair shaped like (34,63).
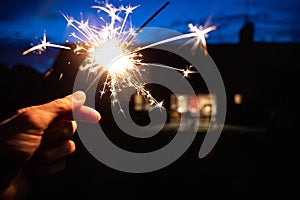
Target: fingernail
(78,96)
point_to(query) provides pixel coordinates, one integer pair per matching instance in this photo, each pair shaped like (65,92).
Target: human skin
(35,141)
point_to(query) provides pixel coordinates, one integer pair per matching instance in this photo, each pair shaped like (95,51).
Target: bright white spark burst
(107,46)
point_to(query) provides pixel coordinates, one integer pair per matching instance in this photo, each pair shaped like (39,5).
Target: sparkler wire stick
(147,22)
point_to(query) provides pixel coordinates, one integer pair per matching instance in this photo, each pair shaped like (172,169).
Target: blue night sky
(24,21)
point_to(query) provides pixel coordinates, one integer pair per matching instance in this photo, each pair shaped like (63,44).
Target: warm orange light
(238,98)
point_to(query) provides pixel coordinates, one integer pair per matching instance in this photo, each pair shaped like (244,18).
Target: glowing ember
(113,58)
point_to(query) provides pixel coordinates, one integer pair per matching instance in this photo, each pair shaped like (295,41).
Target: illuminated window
(203,103)
(238,98)
(193,104)
(206,104)
(138,103)
(182,104)
(141,103)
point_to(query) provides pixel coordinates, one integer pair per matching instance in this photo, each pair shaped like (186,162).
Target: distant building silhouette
(247,33)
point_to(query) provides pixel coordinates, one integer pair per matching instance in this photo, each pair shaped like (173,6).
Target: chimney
(247,33)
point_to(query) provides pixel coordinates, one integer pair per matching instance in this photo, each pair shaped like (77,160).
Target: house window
(238,98)
(202,103)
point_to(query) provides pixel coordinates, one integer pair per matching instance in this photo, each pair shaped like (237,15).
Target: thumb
(65,105)
(78,99)
(81,112)
(73,104)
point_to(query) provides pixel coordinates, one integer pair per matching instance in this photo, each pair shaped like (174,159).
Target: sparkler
(107,47)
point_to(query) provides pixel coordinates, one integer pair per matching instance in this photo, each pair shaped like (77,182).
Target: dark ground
(243,165)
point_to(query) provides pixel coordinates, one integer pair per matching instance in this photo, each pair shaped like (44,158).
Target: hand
(37,137)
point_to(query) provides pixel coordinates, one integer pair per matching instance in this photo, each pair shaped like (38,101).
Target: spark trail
(107,46)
